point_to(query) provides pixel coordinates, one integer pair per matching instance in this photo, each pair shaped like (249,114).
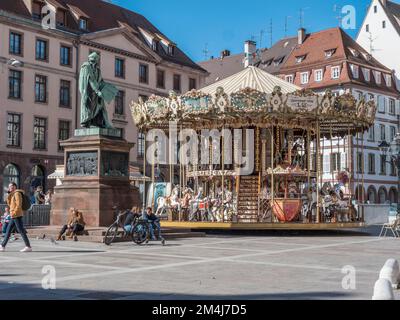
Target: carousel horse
(200,207)
(265,199)
(223,209)
(168,203)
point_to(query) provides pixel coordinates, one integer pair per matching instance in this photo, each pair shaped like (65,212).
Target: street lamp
(393,150)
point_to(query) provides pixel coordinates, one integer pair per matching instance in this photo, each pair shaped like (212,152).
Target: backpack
(26,202)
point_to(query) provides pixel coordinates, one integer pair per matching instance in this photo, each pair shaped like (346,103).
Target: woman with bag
(75,224)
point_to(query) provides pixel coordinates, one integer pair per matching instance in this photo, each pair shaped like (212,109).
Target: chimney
(250,48)
(301,36)
(384,3)
(225,53)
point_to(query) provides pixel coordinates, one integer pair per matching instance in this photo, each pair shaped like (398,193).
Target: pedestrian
(75,224)
(16,202)
(39,196)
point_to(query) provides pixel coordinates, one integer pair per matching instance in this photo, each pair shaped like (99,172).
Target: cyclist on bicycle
(154,222)
(130,218)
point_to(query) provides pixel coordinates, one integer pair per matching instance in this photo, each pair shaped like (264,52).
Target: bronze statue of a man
(95,93)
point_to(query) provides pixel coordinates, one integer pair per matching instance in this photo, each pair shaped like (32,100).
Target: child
(5,220)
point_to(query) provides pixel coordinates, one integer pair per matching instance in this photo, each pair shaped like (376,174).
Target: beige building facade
(39,72)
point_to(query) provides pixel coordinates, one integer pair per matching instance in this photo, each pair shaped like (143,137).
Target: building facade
(380,33)
(39,95)
(331,59)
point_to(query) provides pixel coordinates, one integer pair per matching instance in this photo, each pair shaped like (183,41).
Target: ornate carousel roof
(253,78)
(255,98)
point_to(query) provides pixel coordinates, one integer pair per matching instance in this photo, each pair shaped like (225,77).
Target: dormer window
(154,45)
(83,24)
(367,56)
(329,53)
(37,10)
(61,18)
(366,73)
(278,61)
(388,79)
(378,77)
(300,59)
(354,52)
(171,50)
(268,62)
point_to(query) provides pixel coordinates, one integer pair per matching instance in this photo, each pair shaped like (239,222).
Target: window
(366,73)
(367,28)
(15,43)
(335,162)
(143,97)
(371,133)
(335,73)
(360,168)
(392,168)
(278,61)
(160,79)
(63,132)
(39,133)
(375,9)
(119,68)
(392,106)
(319,75)
(141,144)
(143,73)
(371,163)
(381,104)
(192,84)
(10,174)
(40,88)
(65,93)
(359,95)
(177,83)
(14,130)
(61,18)
(330,53)
(384,24)
(354,71)
(154,45)
(378,77)
(289,78)
(37,10)
(300,59)
(392,133)
(42,50)
(171,50)
(304,77)
(65,56)
(120,103)
(388,79)
(83,24)
(15,84)
(383,132)
(383,165)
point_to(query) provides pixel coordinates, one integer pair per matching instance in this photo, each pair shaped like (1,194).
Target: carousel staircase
(248,200)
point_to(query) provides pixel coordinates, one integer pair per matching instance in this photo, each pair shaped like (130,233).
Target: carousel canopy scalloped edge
(250,107)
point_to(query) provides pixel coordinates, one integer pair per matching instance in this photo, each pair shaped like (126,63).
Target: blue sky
(225,24)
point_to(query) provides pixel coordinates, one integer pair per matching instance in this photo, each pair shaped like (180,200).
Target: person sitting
(75,225)
(154,222)
(130,218)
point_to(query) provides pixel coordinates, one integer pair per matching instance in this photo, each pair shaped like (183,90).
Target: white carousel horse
(168,203)
(223,209)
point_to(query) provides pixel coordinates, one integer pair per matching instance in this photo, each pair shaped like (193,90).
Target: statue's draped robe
(93,108)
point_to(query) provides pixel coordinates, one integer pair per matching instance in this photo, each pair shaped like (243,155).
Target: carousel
(264,169)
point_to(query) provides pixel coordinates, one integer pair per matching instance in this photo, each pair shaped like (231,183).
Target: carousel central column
(318,151)
(272,171)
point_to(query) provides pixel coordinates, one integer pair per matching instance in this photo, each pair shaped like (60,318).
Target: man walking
(15,202)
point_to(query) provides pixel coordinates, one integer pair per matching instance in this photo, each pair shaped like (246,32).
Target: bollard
(390,271)
(383,290)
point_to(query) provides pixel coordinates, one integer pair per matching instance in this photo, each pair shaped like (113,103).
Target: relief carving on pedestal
(81,164)
(114,164)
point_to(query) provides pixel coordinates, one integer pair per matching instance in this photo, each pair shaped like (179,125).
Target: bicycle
(112,231)
(141,232)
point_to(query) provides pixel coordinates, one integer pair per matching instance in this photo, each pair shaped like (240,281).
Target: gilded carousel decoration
(291,129)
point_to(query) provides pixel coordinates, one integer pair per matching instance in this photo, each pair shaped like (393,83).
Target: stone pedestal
(96,178)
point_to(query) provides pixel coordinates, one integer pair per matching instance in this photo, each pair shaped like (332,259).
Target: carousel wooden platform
(261,226)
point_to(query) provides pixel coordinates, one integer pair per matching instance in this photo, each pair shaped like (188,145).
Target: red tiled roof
(315,47)
(104,16)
